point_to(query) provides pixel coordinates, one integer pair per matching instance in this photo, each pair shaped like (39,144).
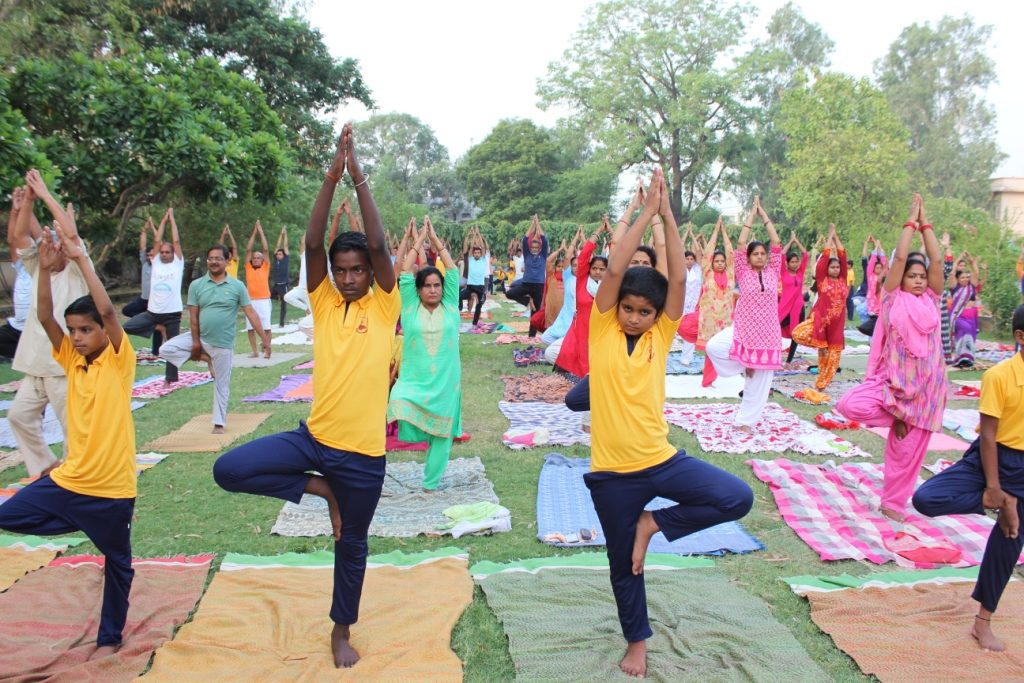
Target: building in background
(1008,197)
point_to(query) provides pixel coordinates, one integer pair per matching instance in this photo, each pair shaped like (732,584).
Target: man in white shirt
(162,317)
(22,294)
(44,382)
(694,279)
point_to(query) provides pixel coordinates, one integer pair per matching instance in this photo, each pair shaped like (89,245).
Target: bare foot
(635,661)
(253,354)
(749,372)
(892,514)
(645,528)
(982,632)
(899,427)
(318,486)
(103,651)
(344,655)
(745,429)
(218,429)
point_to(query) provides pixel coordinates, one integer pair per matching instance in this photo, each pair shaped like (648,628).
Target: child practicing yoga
(990,476)
(905,383)
(342,442)
(824,330)
(635,316)
(93,489)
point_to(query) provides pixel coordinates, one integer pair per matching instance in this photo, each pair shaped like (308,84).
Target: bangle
(623,222)
(910,224)
(366,177)
(747,227)
(925,226)
(333,177)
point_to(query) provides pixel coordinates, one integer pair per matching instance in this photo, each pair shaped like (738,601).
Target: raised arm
(768,224)
(231,237)
(934,252)
(608,293)
(50,258)
(251,242)
(60,215)
(26,227)
(675,257)
(899,259)
(143,234)
(316,255)
(72,247)
(175,239)
(380,259)
(410,257)
(659,230)
(747,225)
(158,236)
(620,228)
(442,251)
(284,241)
(727,243)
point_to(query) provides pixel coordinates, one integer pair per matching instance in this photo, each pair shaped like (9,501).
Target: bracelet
(333,177)
(366,177)
(925,226)
(978,616)
(623,222)
(747,227)
(911,224)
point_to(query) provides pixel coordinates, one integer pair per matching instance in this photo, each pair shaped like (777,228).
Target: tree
(129,131)
(793,54)
(521,169)
(935,79)
(847,157)
(18,150)
(646,79)
(400,146)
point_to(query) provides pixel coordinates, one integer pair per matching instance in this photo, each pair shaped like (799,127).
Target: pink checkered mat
(778,431)
(153,387)
(834,509)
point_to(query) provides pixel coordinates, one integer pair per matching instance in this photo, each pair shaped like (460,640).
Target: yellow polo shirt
(628,431)
(101,432)
(1002,397)
(351,363)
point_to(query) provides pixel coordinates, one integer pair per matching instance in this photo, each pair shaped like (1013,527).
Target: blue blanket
(564,506)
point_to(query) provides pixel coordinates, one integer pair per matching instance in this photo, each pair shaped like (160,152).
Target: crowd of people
(609,307)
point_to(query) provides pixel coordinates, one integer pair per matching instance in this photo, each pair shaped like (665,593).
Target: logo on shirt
(362,327)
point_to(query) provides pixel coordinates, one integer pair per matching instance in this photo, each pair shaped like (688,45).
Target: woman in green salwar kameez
(427,398)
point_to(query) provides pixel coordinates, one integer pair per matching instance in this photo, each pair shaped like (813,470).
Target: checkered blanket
(778,431)
(563,425)
(834,509)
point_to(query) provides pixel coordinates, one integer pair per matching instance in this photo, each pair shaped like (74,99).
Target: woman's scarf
(913,319)
(592,286)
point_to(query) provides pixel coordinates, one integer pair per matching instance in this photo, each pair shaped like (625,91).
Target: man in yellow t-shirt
(635,315)
(343,439)
(93,490)
(990,476)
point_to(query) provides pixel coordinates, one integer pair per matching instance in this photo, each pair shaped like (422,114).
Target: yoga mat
(778,431)
(10,387)
(560,619)
(963,421)
(153,387)
(276,358)
(266,618)
(517,339)
(298,338)
(405,509)
(563,426)
(689,386)
(143,462)
(544,387)
(789,386)
(674,364)
(291,389)
(531,355)
(10,459)
(145,356)
(393,443)
(286,329)
(917,628)
(21,554)
(195,436)
(834,509)
(564,506)
(50,617)
(937,442)
(52,431)
(308,365)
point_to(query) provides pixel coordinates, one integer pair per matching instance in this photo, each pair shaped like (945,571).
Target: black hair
(1018,319)
(84,305)
(719,252)
(849,262)
(915,262)
(598,257)
(647,283)
(348,241)
(651,254)
(690,254)
(424,272)
(833,258)
(754,245)
(959,273)
(790,256)
(223,250)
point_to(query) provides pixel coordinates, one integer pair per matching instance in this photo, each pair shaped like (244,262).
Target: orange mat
(271,622)
(15,563)
(922,632)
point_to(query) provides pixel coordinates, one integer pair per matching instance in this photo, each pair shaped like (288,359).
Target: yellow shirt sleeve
(389,303)
(993,393)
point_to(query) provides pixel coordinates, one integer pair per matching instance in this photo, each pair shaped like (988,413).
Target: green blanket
(561,625)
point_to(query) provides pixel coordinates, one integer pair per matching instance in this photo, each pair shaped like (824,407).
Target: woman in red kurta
(574,355)
(824,330)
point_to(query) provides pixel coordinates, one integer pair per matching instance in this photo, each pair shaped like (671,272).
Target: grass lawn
(181,510)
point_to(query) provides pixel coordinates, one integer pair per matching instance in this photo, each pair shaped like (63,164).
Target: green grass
(180,509)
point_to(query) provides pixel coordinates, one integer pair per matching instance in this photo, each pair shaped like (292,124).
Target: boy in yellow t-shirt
(93,490)
(343,439)
(990,476)
(635,315)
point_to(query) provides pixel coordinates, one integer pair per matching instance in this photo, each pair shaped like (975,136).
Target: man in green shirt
(213,304)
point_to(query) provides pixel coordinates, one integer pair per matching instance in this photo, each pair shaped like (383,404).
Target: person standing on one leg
(257,283)
(93,490)
(343,440)
(426,401)
(44,382)
(281,278)
(213,304)
(10,333)
(530,290)
(990,477)
(162,317)
(635,316)
(141,303)
(904,386)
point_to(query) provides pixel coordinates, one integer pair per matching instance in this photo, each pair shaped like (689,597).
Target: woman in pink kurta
(905,383)
(791,293)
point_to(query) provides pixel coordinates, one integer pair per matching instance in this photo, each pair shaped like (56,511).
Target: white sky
(462,65)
